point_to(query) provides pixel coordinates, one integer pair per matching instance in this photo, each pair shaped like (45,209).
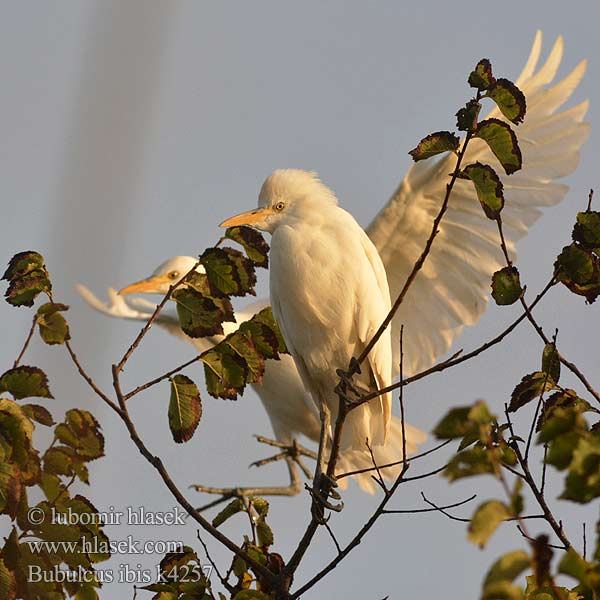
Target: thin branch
(435,508)
(539,496)
(410,459)
(26,344)
(332,536)
(156,462)
(89,380)
(148,384)
(223,581)
(441,509)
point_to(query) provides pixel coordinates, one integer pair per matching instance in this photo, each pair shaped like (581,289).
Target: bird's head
(287,195)
(163,277)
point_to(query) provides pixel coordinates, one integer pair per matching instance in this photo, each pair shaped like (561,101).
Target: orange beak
(248,218)
(150,285)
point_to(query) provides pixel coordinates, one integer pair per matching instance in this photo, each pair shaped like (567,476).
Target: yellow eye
(279,206)
(173,275)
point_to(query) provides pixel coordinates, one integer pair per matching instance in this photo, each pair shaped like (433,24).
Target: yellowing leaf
(25,382)
(509,99)
(185,408)
(506,286)
(502,142)
(435,143)
(486,520)
(481,77)
(253,242)
(488,187)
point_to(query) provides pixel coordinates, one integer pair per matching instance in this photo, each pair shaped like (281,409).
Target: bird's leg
(291,454)
(323,484)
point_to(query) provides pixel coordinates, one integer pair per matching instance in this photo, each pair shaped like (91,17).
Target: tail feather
(352,460)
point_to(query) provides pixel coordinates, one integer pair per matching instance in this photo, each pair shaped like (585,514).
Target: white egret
(329,294)
(288,406)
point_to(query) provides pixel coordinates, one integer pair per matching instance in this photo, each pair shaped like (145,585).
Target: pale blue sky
(130,129)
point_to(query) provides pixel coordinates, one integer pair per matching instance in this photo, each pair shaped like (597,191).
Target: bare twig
(26,344)
(89,380)
(409,459)
(167,375)
(434,508)
(539,496)
(223,581)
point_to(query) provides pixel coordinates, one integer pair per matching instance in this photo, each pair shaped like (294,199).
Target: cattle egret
(288,406)
(329,295)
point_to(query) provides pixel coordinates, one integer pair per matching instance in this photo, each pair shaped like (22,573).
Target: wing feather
(452,290)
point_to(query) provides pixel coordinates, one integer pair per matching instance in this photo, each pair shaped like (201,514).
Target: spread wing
(451,290)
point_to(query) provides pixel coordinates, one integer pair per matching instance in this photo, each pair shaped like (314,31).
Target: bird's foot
(346,384)
(323,489)
(293,451)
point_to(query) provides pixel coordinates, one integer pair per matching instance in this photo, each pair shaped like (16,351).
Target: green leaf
(11,488)
(507,568)
(172,563)
(551,362)
(579,270)
(241,343)
(264,533)
(466,118)
(8,583)
(468,463)
(583,481)
(59,461)
(482,78)
(52,325)
(229,272)
(506,286)
(81,431)
(253,242)
(509,99)
(185,408)
(503,143)
(16,430)
(199,315)
(435,143)
(454,425)
(563,399)
(530,387)
(574,565)
(23,263)
(265,334)
(225,372)
(39,414)
(587,230)
(25,382)
(488,186)
(27,277)
(233,508)
(485,521)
